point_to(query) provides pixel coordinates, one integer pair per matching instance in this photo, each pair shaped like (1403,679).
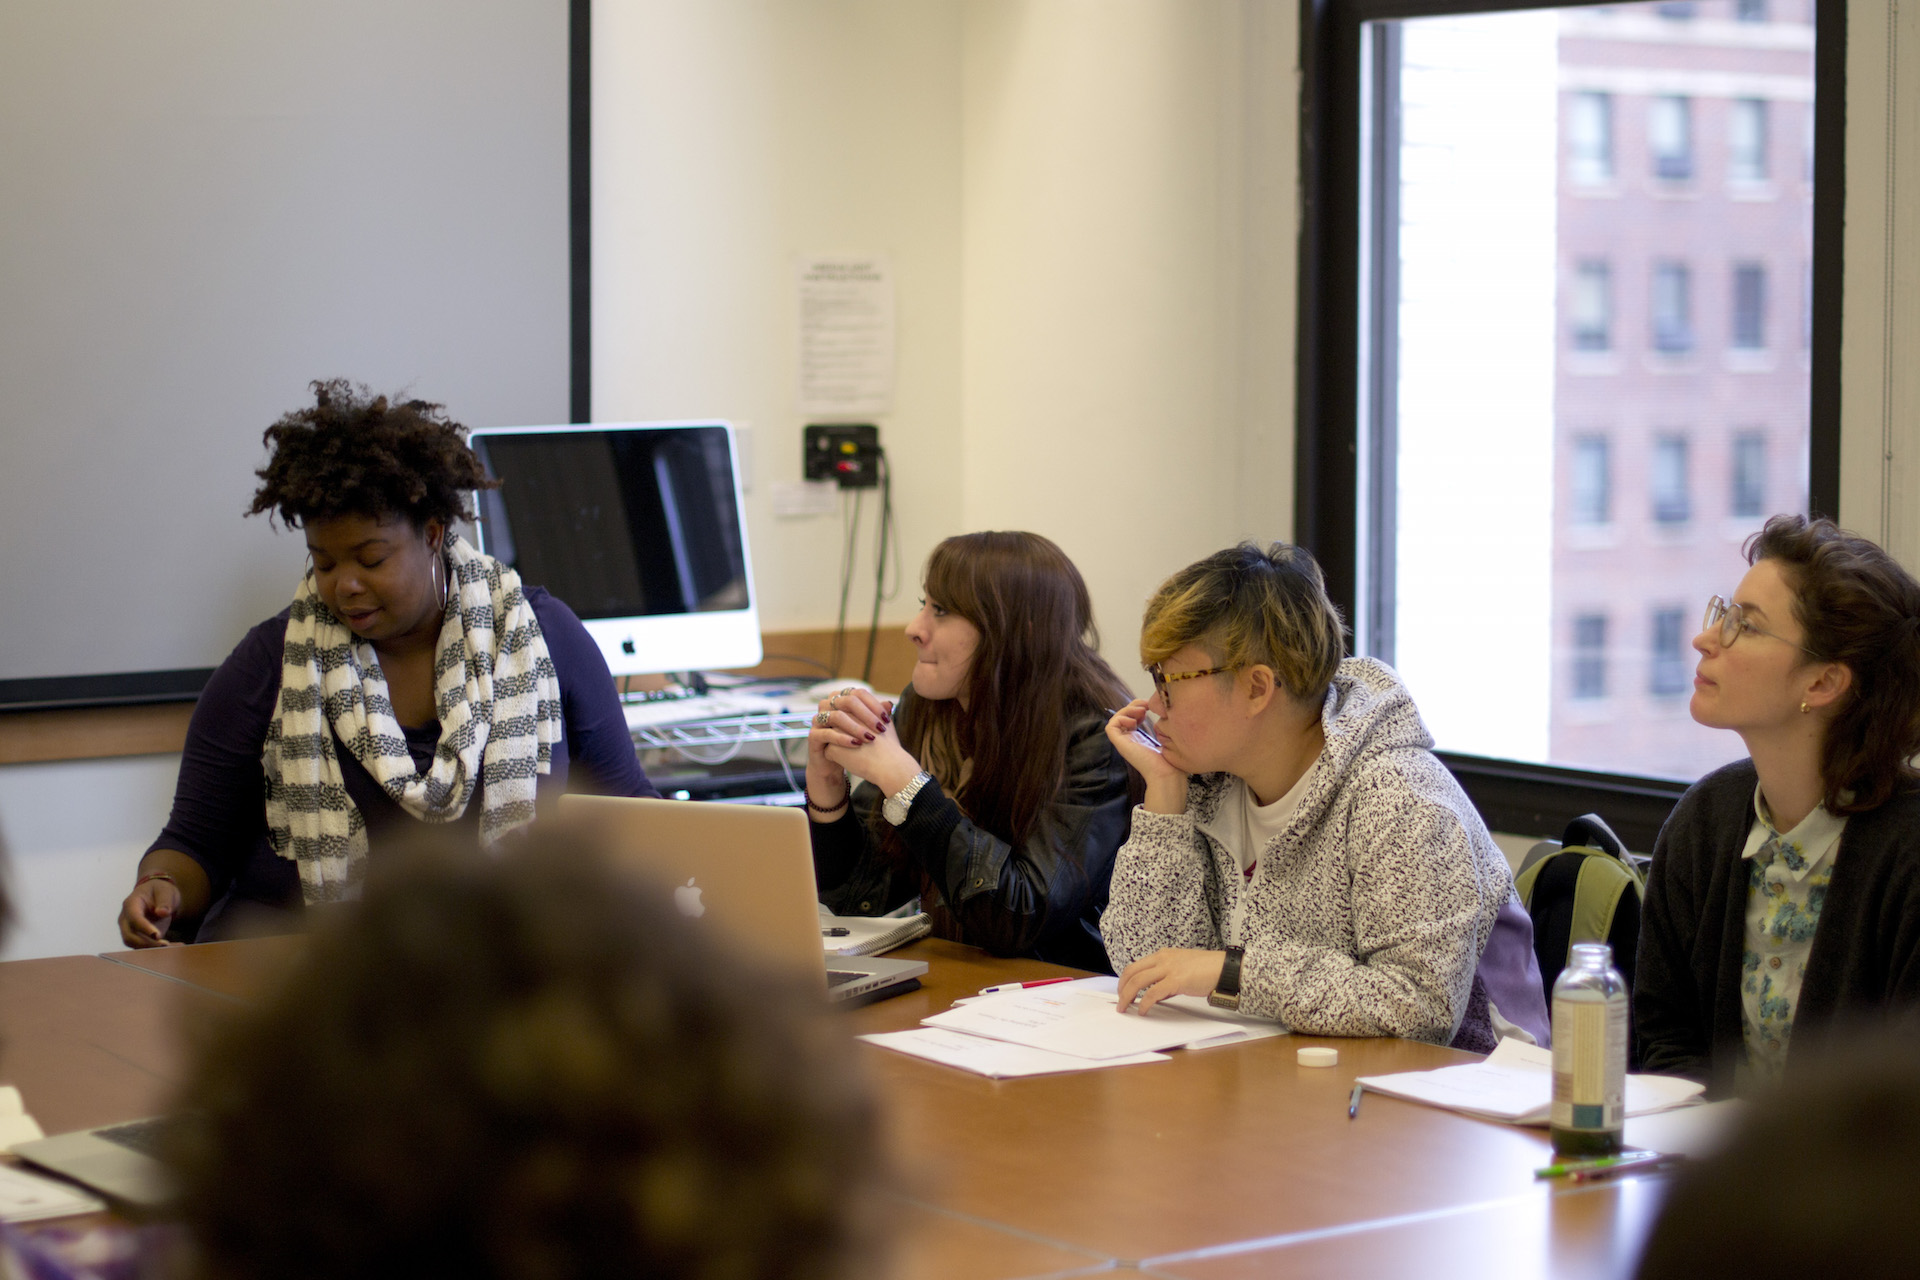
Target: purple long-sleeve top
(219,816)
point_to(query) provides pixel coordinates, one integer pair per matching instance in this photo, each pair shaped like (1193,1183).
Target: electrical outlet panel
(846,453)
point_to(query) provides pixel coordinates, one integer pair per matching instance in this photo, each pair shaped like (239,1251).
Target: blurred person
(1785,888)
(1842,1127)
(991,793)
(413,680)
(527,1068)
(1301,854)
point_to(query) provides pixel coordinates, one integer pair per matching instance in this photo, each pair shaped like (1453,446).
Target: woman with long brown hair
(1784,897)
(991,792)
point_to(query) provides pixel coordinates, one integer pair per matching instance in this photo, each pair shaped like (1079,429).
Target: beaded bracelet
(826,809)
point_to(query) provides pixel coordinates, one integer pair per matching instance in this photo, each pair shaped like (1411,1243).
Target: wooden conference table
(1223,1163)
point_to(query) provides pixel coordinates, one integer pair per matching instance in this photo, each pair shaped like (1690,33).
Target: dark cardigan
(1865,961)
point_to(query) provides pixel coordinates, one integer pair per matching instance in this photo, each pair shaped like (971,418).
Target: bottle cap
(1318,1056)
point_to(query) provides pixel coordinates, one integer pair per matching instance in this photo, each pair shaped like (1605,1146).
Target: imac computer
(638,527)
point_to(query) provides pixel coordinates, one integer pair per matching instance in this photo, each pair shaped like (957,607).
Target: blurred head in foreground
(523,1067)
(1818,1180)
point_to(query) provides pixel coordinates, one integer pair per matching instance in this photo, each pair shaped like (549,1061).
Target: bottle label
(1589,1064)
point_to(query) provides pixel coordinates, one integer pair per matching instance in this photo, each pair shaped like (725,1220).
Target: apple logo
(626,646)
(687,898)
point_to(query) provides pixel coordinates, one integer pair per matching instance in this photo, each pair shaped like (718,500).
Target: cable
(850,534)
(879,565)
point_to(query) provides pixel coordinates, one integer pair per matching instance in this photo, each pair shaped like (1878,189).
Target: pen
(1353,1103)
(1604,1166)
(1020,986)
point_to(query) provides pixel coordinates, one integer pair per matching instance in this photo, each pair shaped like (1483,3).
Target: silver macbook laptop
(745,870)
(117,1159)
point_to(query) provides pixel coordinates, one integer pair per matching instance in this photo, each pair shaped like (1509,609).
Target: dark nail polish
(869,737)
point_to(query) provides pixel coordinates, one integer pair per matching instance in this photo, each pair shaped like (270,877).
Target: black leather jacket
(1042,898)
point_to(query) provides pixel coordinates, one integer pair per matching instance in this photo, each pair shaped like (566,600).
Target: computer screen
(637,527)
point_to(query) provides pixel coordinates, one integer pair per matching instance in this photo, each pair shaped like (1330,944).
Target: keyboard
(720,704)
(143,1136)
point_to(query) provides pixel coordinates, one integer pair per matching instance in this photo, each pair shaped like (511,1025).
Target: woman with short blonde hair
(1301,855)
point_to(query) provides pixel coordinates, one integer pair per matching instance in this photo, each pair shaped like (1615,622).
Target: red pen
(1021,986)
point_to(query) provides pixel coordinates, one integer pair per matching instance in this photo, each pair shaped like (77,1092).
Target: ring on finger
(833,703)
(822,720)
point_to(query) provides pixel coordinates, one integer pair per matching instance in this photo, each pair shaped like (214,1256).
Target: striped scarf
(499,702)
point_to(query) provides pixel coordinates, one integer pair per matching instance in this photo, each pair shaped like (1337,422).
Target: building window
(1591,311)
(1461,336)
(1671,504)
(1672,307)
(1749,480)
(1590,138)
(1670,137)
(1747,140)
(1592,480)
(1749,10)
(1749,306)
(1679,10)
(1590,656)
(1667,673)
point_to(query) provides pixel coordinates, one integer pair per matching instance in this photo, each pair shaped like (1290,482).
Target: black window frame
(1516,796)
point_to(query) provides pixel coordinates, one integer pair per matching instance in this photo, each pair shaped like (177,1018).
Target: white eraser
(1318,1056)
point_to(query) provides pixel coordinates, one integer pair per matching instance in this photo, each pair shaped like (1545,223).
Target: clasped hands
(854,732)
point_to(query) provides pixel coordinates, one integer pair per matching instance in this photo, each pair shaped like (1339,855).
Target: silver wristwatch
(894,809)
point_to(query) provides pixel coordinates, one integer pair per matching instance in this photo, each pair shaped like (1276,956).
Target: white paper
(996,1058)
(18,1129)
(27,1197)
(1514,1083)
(796,498)
(846,335)
(1082,1019)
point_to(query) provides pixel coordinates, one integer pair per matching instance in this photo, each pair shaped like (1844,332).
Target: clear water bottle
(1589,1054)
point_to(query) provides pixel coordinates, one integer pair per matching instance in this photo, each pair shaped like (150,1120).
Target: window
(1590,138)
(1679,10)
(1667,672)
(1749,306)
(1591,307)
(1672,308)
(1590,656)
(1592,481)
(1748,490)
(1452,156)
(1747,140)
(1671,505)
(1670,137)
(1750,10)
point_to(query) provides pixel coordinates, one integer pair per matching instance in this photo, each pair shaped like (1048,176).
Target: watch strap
(1230,973)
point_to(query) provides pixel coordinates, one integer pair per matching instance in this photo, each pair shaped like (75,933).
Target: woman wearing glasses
(1301,855)
(1785,890)
(992,793)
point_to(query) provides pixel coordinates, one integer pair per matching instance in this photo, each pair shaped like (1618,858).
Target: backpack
(1578,891)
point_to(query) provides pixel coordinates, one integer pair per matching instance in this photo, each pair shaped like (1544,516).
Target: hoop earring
(440,580)
(1804,708)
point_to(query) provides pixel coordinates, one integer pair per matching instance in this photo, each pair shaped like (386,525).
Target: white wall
(74,831)
(1089,212)
(1129,231)
(731,137)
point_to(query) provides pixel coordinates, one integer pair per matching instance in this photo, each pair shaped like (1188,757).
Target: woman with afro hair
(411,680)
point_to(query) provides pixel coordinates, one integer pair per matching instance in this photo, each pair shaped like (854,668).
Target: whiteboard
(209,203)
